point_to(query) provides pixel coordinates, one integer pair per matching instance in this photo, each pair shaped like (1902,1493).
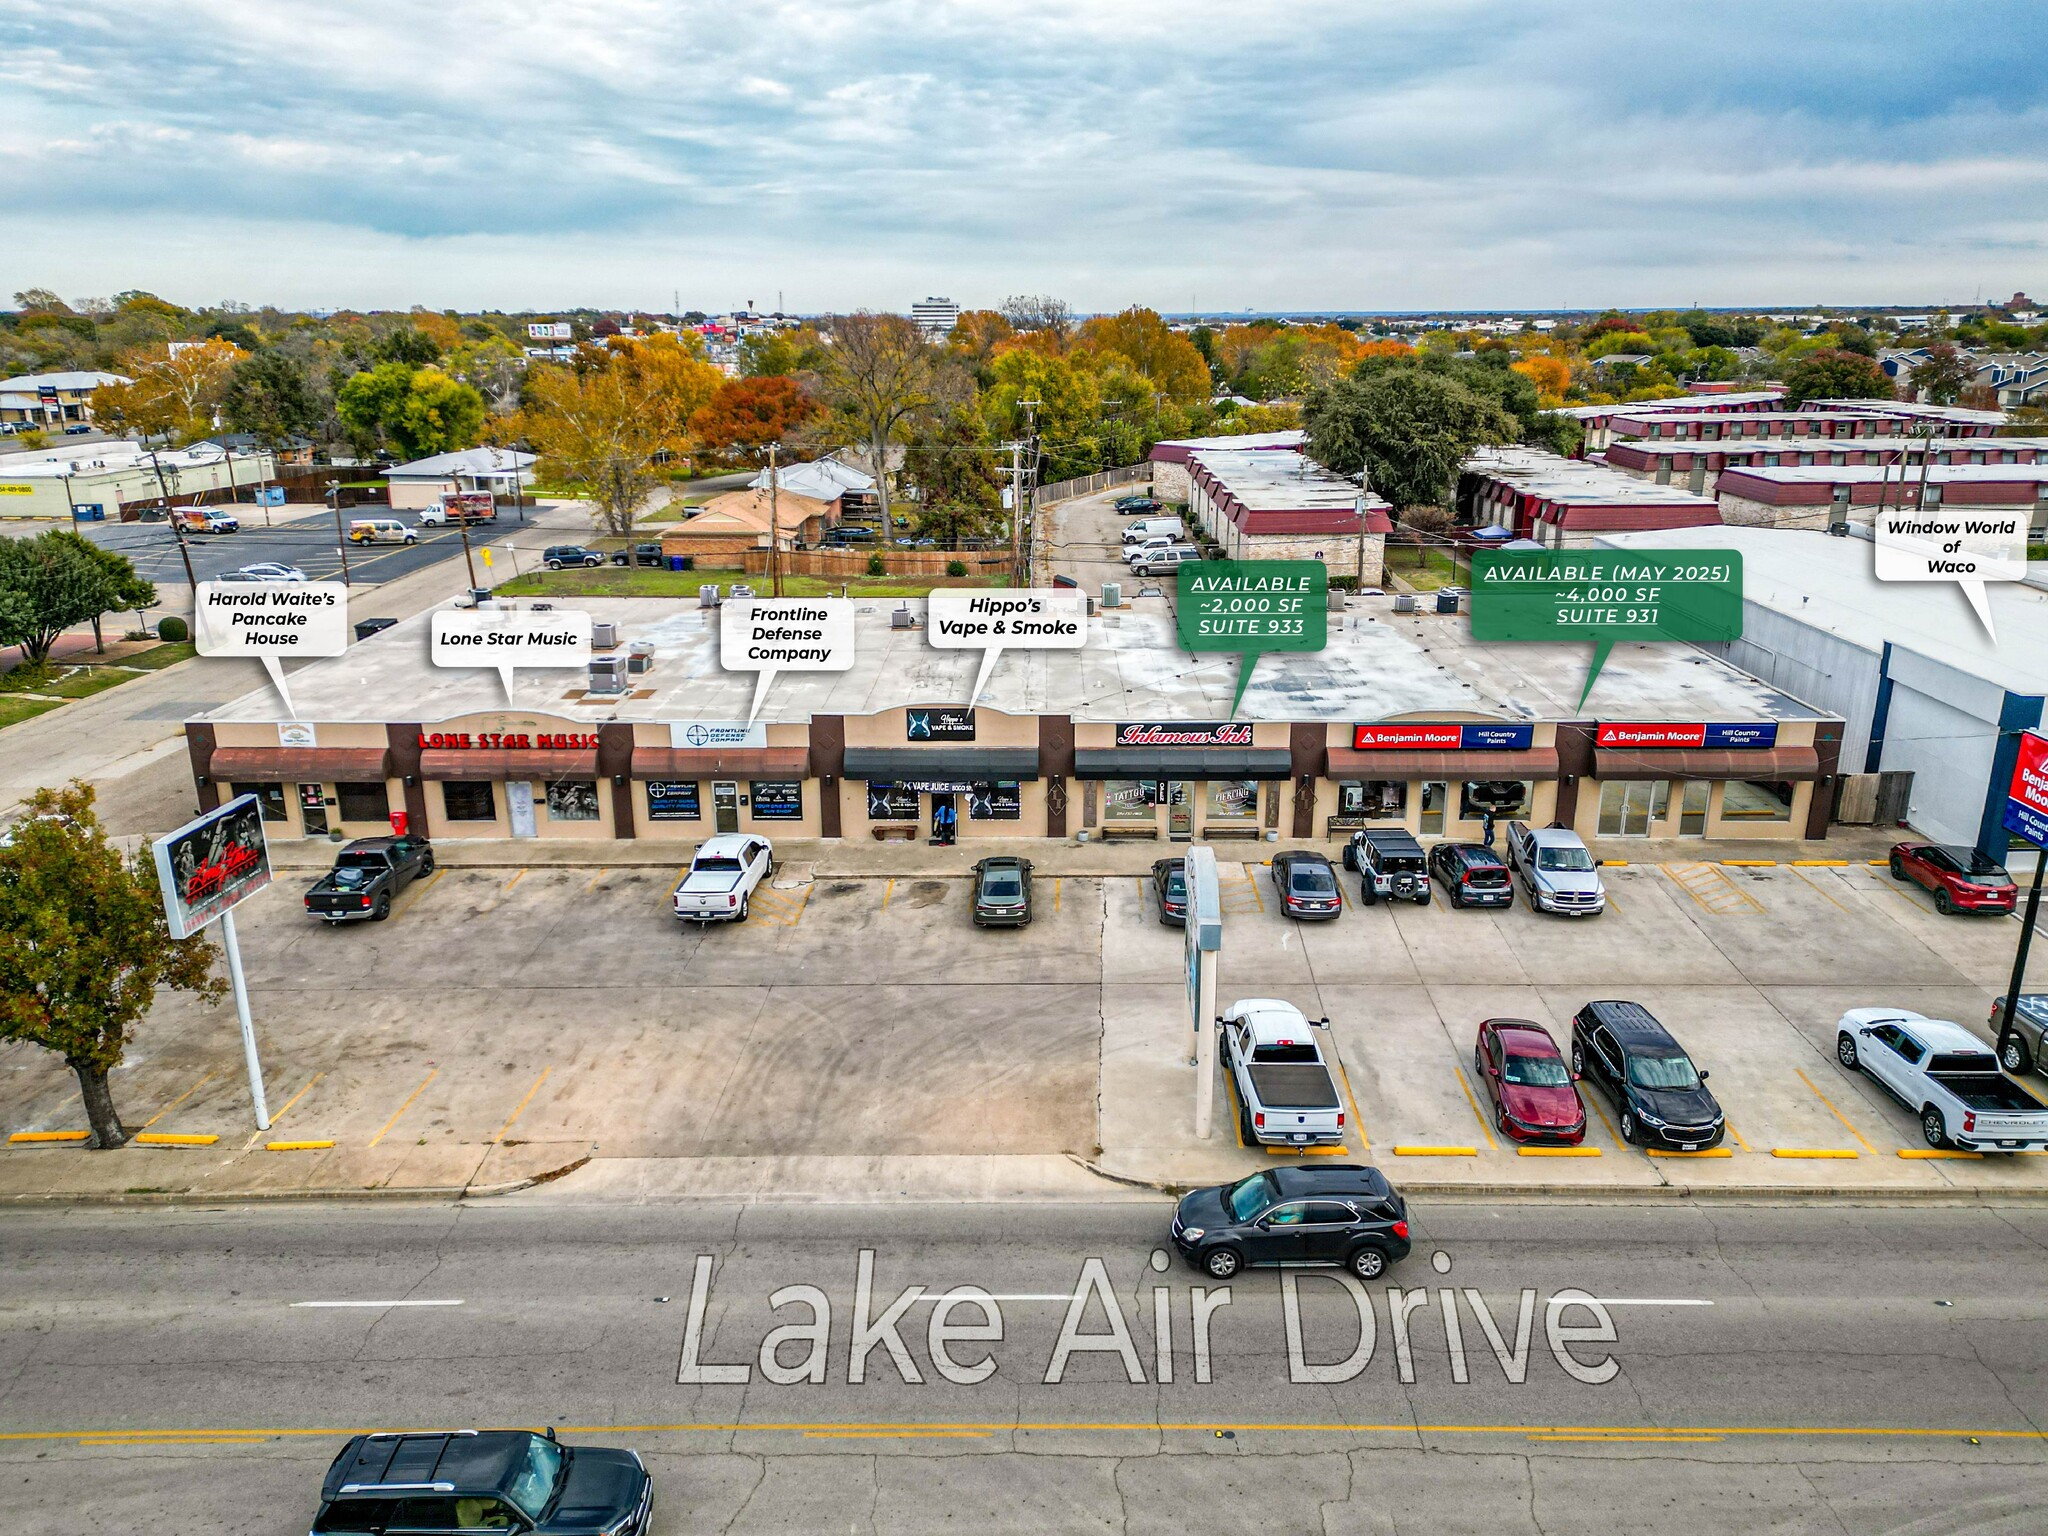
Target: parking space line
(181,1098)
(514,880)
(594,879)
(1057,883)
(405,1106)
(1730,1124)
(1814,886)
(1711,889)
(1358,1120)
(1595,1103)
(1484,1129)
(288,1103)
(1236,1109)
(1834,1111)
(411,898)
(520,1108)
(888,891)
(1930,1154)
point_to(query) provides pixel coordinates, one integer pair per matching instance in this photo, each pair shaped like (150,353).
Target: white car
(266,570)
(1945,1076)
(720,882)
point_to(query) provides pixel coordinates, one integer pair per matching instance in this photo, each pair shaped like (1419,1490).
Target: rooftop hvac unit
(640,657)
(741,589)
(540,607)
(1112,594)
(604,634)
(607,674)
(707,595)
(901,617)
(1404,602)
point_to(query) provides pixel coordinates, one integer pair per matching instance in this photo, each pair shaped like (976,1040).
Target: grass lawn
(2037,551)
(1425,569)
(643,581)
(157,657)
(14,711)
(63,684)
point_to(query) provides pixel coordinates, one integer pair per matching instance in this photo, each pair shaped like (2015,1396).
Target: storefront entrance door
(313,809)
(725,807)
(519,806)
(1692,808)
(1625,807)
(1180,812)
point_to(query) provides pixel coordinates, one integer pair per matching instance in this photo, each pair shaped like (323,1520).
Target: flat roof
(1277,479)
(1378,665)
(1870,474)
(1691,405)
(1963,413)
(1537,472)
(1830,584)
(1176,450)
(1912,445)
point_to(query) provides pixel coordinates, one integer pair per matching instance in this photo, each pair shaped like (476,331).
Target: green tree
(415,411)
(1943,374)
(880,374)
(55,580)
(957,475)
(84,946)
(409,344)
(122,587)
(270,395)
(1409,429)
(1833,374)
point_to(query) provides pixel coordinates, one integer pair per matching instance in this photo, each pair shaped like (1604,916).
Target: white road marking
(377,1303)
(1628,1301)
(1061,1296)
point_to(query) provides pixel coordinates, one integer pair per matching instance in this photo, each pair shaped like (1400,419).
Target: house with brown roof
(730,525)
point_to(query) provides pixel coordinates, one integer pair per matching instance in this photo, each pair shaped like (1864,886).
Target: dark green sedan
(1002,892)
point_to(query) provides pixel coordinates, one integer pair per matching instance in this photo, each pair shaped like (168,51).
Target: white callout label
(508,639)
(271,620)
(1966,545)
(1033,619)
(784,634)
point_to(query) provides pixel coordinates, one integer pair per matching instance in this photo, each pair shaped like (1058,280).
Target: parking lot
(562,1007)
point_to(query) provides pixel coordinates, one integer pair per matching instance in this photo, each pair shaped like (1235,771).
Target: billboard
(2026,805)
(208,866)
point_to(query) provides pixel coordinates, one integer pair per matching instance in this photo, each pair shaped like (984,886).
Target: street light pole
(2019,959)
(171,516)
(774,525)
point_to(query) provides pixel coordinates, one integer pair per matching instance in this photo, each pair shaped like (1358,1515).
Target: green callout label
(1606,596)
(1253,606)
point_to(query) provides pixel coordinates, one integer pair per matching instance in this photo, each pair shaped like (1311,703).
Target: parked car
(1165,562)
(205,520)
(381,530)
(1140,549)
(460,507)
(1002,892)
(1168,528)
(1526,1081)
(1307,885)
(265,570)
(367,876)
(77,429)
(1472,875)
(1285,1095)
(1659,1095)
(638,554)
(1390,863)
(1556,869)
(1946,1077)
(1962,879)
(2022,1053)
(719,885)
(1137,504)
(1170,889)
(556,556)
(1337,1214)
(484,1480)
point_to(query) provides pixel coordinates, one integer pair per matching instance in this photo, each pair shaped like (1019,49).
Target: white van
(1152,528)
(1164,562)
(380,530)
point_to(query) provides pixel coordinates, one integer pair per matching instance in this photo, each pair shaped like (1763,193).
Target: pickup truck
(1284,1093)
(1557,874)
(367,876)
(1946,1076)
(720,882)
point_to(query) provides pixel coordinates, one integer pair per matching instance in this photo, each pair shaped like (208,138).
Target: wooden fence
(841,563)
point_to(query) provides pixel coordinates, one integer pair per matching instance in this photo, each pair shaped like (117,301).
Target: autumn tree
(176,389)
(880,374)
(746,415)
(84,946)
(773,354)
(957,474)
(1040,313)
(1943,374)
(1552,376)
(1162,355)
(1835,374)
(415,411)
(271,396)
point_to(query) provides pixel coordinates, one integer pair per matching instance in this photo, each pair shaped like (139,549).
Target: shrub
(876,566)
(956,568)
(172,628)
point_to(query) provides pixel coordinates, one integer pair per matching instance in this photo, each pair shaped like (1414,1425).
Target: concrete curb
(425,1192)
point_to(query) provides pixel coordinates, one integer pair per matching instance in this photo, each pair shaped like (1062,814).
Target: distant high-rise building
(936,317)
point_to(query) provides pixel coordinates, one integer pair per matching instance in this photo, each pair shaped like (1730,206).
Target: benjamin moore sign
(1730,734)
(1442,738)
(2026,806)
(1214,733)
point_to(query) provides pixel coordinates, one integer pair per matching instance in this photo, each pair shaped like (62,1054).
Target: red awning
(1536,763)
(436,763)
(721,762)
(298,765)
(1778,763)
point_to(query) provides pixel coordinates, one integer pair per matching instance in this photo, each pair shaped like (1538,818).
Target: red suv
(1528,1084)
(1962,879)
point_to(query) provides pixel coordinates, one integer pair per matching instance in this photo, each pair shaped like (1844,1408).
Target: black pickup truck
(367,877)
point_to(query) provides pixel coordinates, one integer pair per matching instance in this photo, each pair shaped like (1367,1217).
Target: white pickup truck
(1946,1076)
(721,878)
(1556,871)
(1284,1093)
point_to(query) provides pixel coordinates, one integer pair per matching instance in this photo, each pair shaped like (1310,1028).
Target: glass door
(1692,808)
(1625,807)
(725,807)
(313,809)
(1180,811)
(1435,797)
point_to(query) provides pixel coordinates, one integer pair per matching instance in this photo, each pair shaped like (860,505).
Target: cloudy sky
(1216,153)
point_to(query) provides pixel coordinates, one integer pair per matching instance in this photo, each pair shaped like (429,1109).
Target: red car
(1962,879)
(1528,1084)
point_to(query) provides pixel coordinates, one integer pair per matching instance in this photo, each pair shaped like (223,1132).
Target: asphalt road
(1788,1368)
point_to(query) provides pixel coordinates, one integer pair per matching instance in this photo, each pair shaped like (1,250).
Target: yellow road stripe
(436,1072)
(181,1098)
(514,881)
(1834,1111)
(896,1434)
(594,879)
(1056,894)
(288,1103)
(1484,1129)
(520,1108)
(1823,895)
(1627,1439)
(888,891)
(1594,1101)
(1730,1125)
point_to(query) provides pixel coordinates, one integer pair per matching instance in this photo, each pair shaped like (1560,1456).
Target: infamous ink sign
(1214,733)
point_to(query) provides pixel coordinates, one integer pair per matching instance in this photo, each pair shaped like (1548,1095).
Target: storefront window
(1751,801)
(1233,799)
(1434,797)
(776,799)
(995,802)
(678,801)
(1500,798)
(572,800)
(469,802)
(1692,808)
(269,796)
(887,802)
(1130,799)
(363,802)
(1373,799)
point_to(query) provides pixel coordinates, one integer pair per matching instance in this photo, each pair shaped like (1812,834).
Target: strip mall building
(1401,720)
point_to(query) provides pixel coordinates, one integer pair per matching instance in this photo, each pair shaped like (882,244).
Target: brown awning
(1705,763)
(1535,763)
(721,762)
(299,765)
(442,764)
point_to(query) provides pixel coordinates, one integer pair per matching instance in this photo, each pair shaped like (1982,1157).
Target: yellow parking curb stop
(1838,1152)
(1308,1151)
(1820,863)
(1928,1153)
(1749,863)
(1674,1152)
(26,1136)
(1557,1152)
(296,1146)
(1417,1151)
(165,1139)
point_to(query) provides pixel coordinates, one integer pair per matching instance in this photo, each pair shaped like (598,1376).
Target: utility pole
(340,537)
(2019,959)
(462,527)
(171,516)
(774,520)
(1017,573)
(1021,544)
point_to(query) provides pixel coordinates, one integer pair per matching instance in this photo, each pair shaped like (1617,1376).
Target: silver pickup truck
(1946,1076)
(1555,870)
(1284,1093)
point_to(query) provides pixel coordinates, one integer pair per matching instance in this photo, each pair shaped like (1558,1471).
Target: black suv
(558,555)
(484,1480)
(1389,863)
(1660,1095)
(1344,1213)
(638,554)
(1472,874)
